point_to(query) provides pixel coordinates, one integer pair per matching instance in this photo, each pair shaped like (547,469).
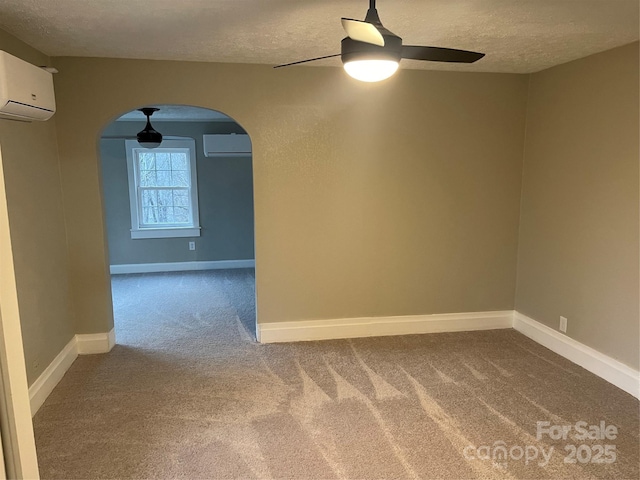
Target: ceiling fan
(372,53)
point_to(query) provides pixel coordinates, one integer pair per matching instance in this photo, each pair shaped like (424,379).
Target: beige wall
(578,253)
(34,200)
(390,199)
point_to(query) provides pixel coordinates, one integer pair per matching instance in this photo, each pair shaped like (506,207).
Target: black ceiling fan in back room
(371,53)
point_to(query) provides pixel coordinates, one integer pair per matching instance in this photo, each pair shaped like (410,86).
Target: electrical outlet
(192,245)
(36,363)
(563,324)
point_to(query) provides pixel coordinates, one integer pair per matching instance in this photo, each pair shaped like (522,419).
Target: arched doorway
(179,222)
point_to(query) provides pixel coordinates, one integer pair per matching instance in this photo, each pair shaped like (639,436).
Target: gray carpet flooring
(188,393)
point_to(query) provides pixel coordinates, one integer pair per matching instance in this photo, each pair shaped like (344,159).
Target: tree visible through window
(162,187)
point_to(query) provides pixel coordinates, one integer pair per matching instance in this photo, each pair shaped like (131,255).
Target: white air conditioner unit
(227,145)
(26,91)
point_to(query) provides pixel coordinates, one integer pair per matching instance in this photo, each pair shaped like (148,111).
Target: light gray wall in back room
(225,190)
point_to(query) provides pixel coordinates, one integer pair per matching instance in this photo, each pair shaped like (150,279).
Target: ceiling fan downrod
(372,14)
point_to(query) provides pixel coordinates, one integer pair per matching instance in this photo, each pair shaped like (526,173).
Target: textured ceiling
(517,35)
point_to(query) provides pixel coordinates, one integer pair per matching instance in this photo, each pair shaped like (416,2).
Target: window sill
(165,233)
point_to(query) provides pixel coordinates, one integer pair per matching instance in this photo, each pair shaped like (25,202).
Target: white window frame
(140,231)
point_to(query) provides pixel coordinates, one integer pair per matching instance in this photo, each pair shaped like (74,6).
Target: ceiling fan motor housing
(352,50)
(149,137)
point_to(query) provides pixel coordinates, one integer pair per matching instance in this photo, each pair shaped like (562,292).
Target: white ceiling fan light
(369,62)
(368,70)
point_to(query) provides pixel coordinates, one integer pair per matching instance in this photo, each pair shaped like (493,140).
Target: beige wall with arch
(370,200)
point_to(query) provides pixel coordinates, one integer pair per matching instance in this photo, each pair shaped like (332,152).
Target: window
(163,189)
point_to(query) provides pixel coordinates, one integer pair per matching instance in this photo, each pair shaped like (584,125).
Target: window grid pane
(166,206)
(169,203)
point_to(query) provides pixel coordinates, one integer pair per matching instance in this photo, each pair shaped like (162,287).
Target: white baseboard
(180,266)
(46,382)
(78,345)
(381,326)
(96,342)
(607,368)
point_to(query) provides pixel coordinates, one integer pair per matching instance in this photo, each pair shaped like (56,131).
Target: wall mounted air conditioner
(227,145)
(26,91)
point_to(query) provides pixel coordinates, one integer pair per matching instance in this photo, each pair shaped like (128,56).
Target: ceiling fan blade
(437,54)
(309,60)
(362,31)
